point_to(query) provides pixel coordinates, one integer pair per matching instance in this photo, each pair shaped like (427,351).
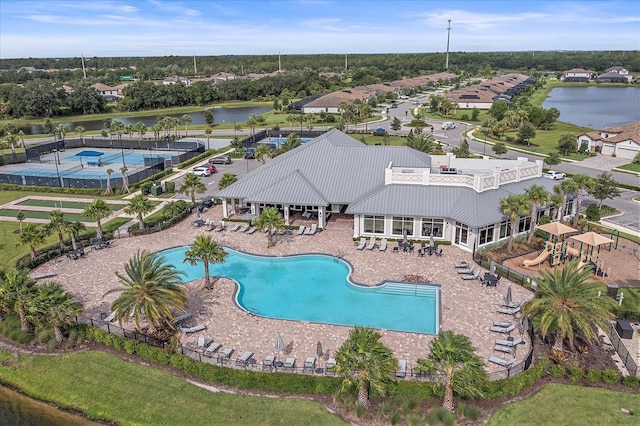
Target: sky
(102,28)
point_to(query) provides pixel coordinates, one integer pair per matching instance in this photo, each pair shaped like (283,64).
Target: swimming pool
(316,288)
(283,140)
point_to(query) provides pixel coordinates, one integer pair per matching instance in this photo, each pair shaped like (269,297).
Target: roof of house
(616,134)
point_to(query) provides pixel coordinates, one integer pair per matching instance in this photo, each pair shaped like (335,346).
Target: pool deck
(467,307)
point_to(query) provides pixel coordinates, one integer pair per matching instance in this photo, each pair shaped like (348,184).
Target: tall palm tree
(263,152)
(226,180)
(420,141)
(453,356)
(151,289)
(512,207)
(20,217)
(139,206)
(79,130)
(205,250)
(74,229)
(55,307)
(269,220)
(32,236)
(191,186)
(186,119)
(57,223)
(252,122)
(537,196)
(566,301)
(365,363)
(563,189)
(17,291)
(582,183)
(108,190)
(207,131)
(97,211)
(125,179)
(293,141)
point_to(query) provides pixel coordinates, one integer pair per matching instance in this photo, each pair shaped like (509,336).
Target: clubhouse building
(390,191)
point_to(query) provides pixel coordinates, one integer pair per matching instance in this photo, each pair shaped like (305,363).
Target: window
(486,235)
(373,224)
(401,224)
(505,229)
(432,227)
(524,224)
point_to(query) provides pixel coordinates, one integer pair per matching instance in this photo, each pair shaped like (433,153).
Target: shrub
(470,412)
(631,381)
(170,186)
(575,374)
(593,213)
(610,377)
(145,188)
(441,415)
(557,371)
(636,159)
(594,376)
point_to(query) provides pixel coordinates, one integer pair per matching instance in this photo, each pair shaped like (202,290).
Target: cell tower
(446,65)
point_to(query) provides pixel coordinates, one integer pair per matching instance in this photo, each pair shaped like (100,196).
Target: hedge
(514,385)
(54,189)
(197,158)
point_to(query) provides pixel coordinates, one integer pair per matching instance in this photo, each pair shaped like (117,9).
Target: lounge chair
(244,227)
(193,329)
(182,317)
(331,363)
(438,253)
(212,348)
(383,244)
(506,342)
(224,354)
(466,271)
(203,342)
(267,362)
(222,227)
(312,230)
(309,364)
(505,349)
(508,329)
(244,358)
(290,363)
(509,311)
(236,227)
(511,305)
(473,276)
(110,317)
(306,215)
(301,230)
(372,243)
(252,230)
(363,242)
(502,323)
(402,368)
(501,361)
(461,265)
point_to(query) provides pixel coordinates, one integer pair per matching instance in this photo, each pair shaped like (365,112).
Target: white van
(447,125)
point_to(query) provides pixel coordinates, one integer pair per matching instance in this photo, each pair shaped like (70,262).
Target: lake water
(17,409)
(220,115)
(595,107)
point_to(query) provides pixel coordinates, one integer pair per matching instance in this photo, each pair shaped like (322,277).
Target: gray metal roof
(458,203)
(339,167)
(292,189)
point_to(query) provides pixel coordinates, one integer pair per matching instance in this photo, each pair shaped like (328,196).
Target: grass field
(32,214)
(6,196)
(65,204)
(107,387)
(568,405)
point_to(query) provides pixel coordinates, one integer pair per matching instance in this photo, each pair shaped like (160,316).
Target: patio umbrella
(279,343)
(508,299)
(319,349)
(404,236)
(492,268)
(432,242)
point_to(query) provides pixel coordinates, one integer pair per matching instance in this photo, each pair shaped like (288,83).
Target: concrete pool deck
(467,307)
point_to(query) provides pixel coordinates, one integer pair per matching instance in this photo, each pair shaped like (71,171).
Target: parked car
(200,171)
(447,125)
(220,159)
(212,168)
(394,105)
(251,153)
(551,174)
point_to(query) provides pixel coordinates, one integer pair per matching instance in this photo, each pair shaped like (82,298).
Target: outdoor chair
(306,215)
(252,230)
(236,227)
(509,311)
(267,362)
(507,342)
(402,368)
(504,349)
(110,317)
(301,230)
(203,341)
(182,317)
(473,276)
(383,245)
(224,355)
(466,271)
(244,358)
(421,252)
(363,242)
(289,363)
(309,364)
(212,348)
(244,227)
(505,330)
(372,243)
(312,230)
(439,253)
(502,323)
(193,329)
(501,361)
(461,265)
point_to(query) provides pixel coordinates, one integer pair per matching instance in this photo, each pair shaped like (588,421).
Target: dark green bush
(610,377)
(145,188)
(197,158)
(631,381)
(593,213)
(170,186)
(557,371)
(594,376)
(575,374)
(514,385)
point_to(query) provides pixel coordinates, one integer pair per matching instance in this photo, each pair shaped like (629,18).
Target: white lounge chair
(182,317)
(193,329)
(508,329)
(372,243)
(290,363)
(309,364)
(110,317)
(252,230)
(466,271)
(267,362)
(225,354)
(473,276)
(501,361)
(505,349)
(236,227)
(312,230)
(383,244)
(306,215)
(203,341)
(402,368)
(301,230)
(502,323)
(461,265)
(363,242)
(212,348)
(331,363)
(244,227)
(244,358)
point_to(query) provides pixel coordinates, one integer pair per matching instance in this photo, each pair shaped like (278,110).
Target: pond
(595,107)
(220,115)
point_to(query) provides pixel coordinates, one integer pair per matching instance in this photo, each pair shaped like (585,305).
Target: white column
(356,225)
(321,222)
(286,214)
(225,209)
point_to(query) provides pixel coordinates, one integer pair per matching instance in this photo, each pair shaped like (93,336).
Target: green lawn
(32,214)
(106,387)
(632,167)
(6,196)
(10,248)
(65,204)
(568,405)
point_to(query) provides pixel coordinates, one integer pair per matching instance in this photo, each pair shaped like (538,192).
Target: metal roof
(292,189)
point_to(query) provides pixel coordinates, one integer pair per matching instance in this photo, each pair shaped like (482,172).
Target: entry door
(462,235)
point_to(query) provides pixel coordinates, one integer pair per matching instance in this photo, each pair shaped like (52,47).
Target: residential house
(484,94)
(177,79)
(623,141)
(613,77)
(389,191)
(577,75)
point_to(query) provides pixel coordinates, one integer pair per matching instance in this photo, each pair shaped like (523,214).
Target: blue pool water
(316,288)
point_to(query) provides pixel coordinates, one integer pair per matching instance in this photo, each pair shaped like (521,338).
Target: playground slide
(538,260)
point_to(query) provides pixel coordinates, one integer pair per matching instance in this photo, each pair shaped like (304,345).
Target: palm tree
(566,301)
(125,179)
(57,223)
(512,207)
(74,229)
(186,119)
(226,180)
(581,182)
(139,206)
(151,289)
(97,211)
(365,363)
(17,291)
(191,186)
(20,217)
(537,196)
(207,131)
(108,190)
(269,220)
(263,152)
(563,189)
(80,131)
(453,356)
(205,250)
(32,236)
(252,122)
(293,141)
(420,141)
(55,307)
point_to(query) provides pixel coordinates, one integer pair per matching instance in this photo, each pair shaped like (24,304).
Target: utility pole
(195,66)
(446,65)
